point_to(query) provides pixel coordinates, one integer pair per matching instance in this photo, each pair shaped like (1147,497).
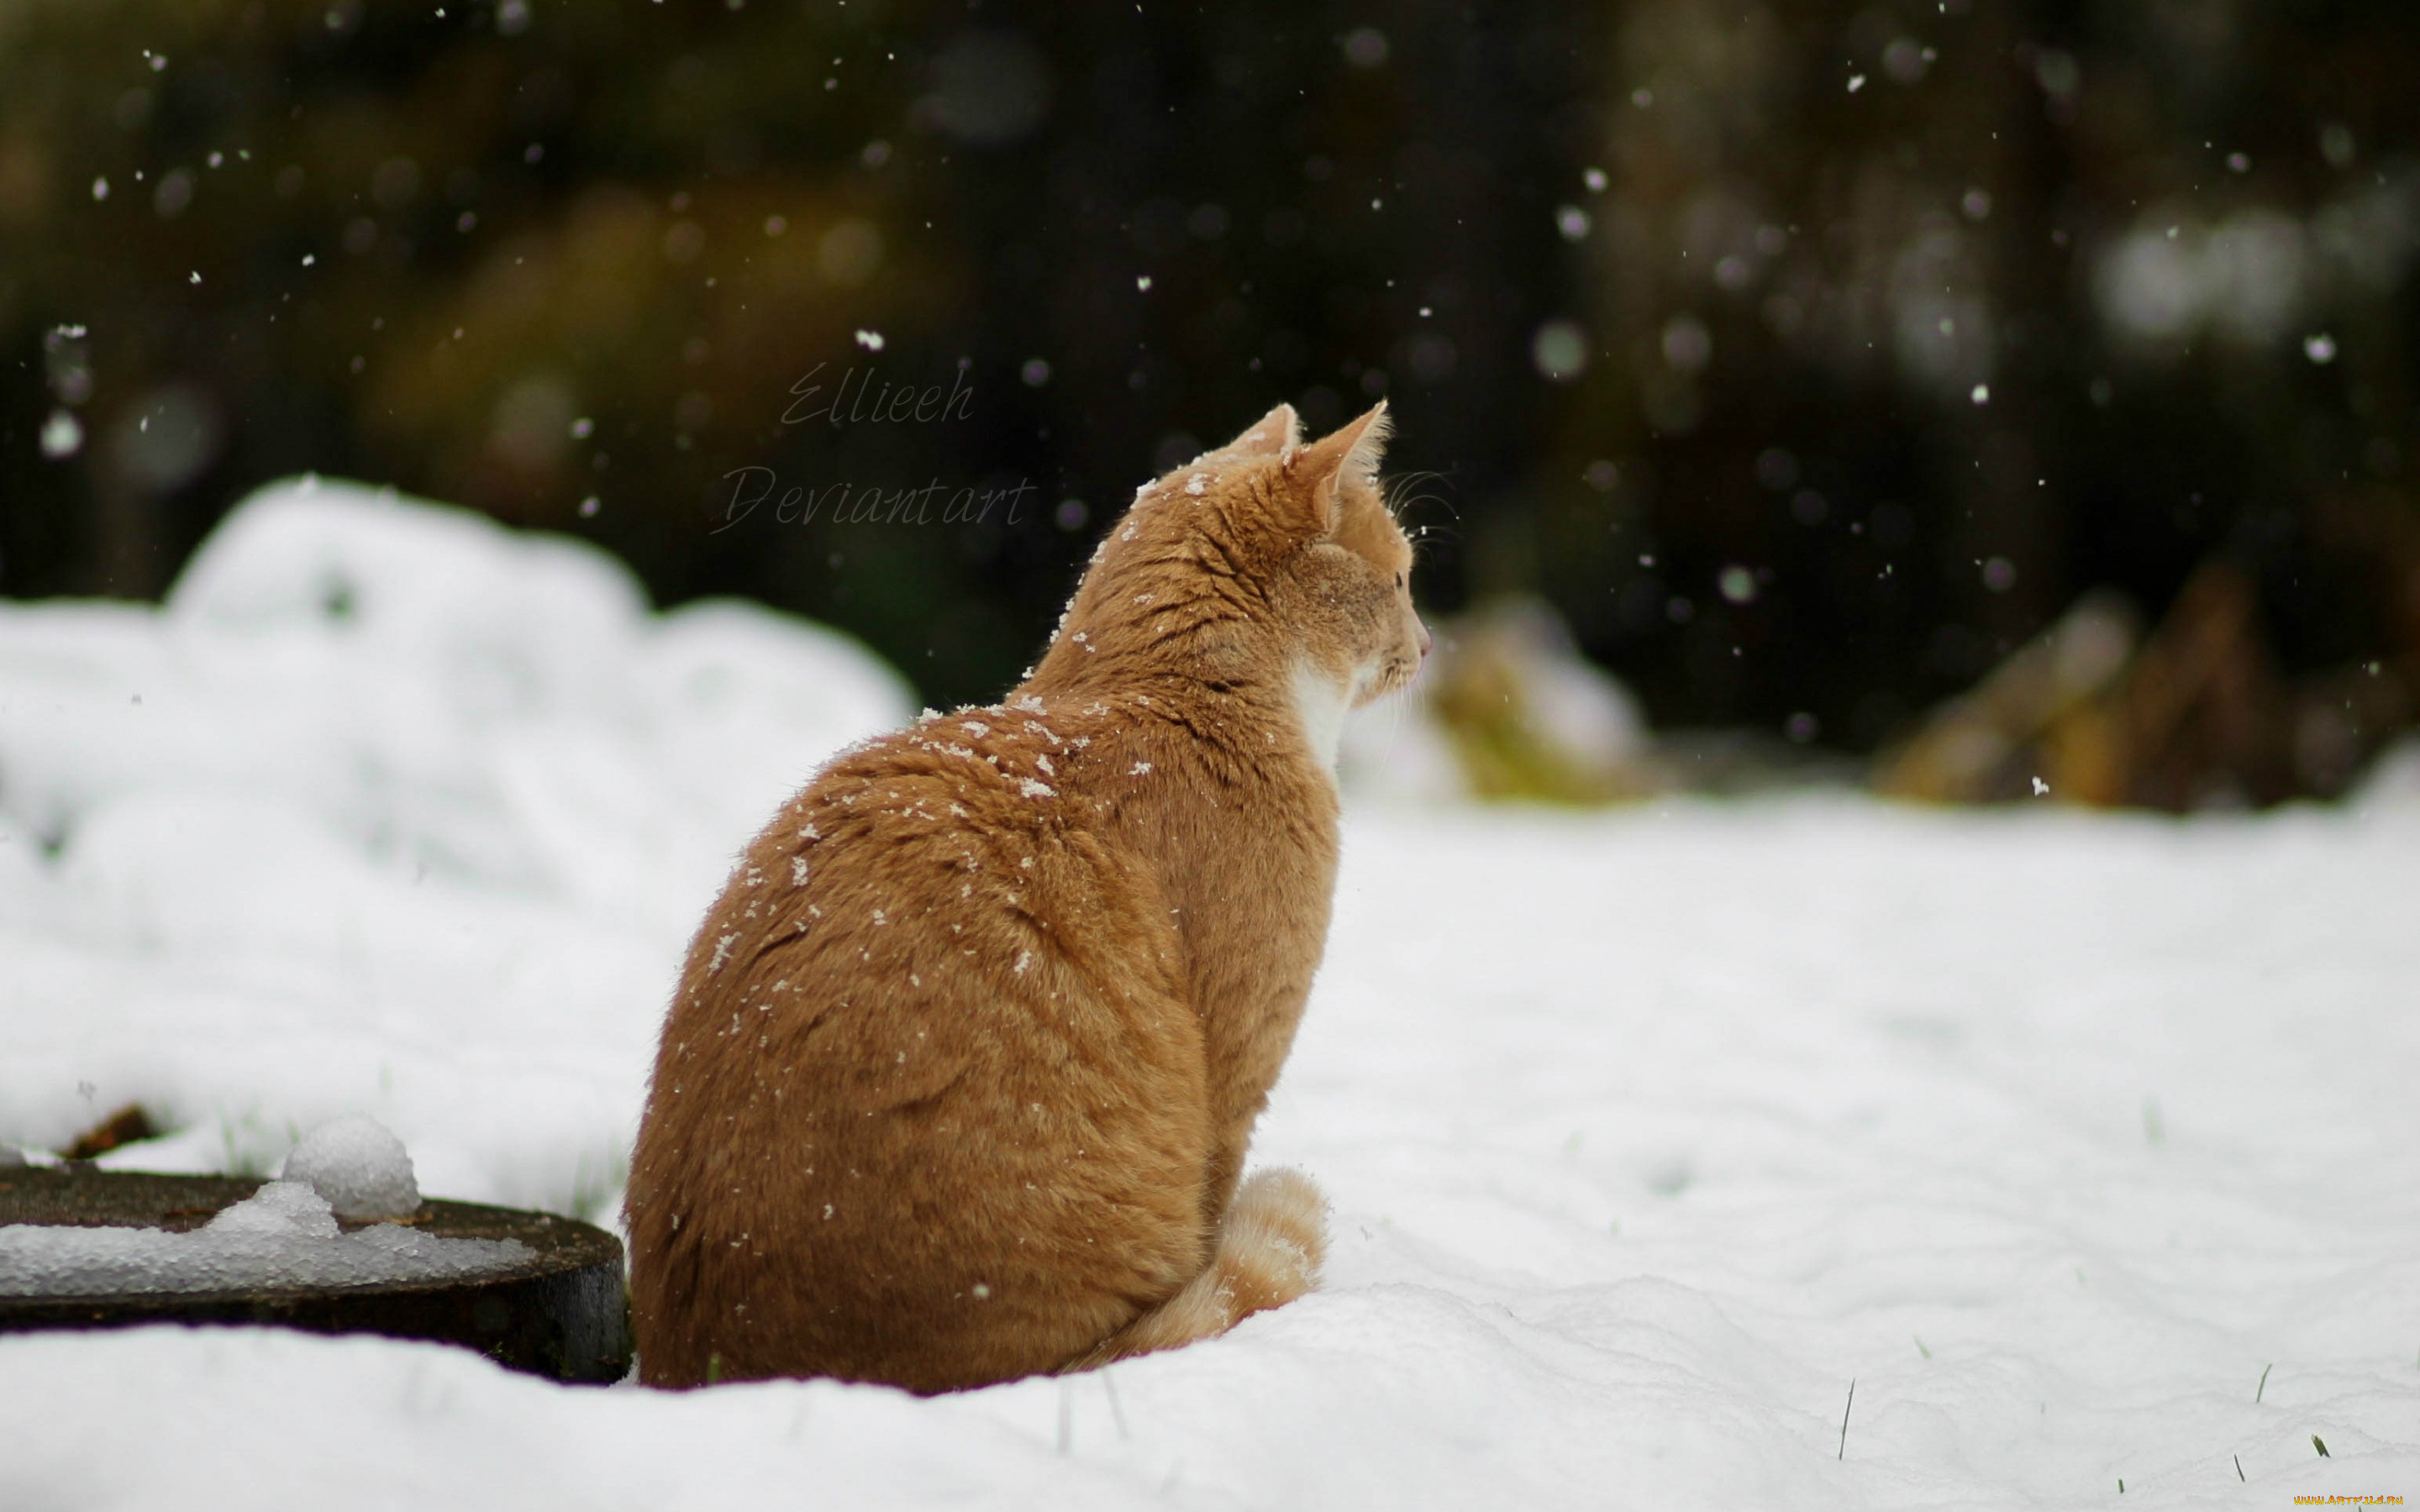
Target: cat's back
(937,986)
(952,877)
(988,834)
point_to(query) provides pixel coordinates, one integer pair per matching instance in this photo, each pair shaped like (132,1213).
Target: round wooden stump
(561,1314)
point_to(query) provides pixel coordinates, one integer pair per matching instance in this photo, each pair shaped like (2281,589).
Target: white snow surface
(358,1166)
(283,1238)
(1646,1132)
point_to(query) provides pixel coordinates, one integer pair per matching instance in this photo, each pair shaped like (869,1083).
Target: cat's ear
(1349,453)
(1275,434)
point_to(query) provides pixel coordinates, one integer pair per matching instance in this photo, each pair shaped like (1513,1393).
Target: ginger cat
(959,1076)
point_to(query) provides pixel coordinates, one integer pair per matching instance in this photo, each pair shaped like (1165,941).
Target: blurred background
(1973,397)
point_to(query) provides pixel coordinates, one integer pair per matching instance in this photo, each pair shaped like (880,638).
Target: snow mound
(387,810)
(283,1238)
(362,1170)
(280,1210)
(2393,781)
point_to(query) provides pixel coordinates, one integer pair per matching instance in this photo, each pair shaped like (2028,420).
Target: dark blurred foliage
(1809,357)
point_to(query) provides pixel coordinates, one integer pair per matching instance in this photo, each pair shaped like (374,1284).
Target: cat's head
(1269,558)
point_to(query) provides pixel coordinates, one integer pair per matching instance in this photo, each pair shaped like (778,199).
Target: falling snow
(62,435)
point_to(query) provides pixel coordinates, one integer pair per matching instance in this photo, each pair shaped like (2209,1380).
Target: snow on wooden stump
(84,1248)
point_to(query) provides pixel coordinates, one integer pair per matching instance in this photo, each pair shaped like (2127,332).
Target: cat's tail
(1270,1246)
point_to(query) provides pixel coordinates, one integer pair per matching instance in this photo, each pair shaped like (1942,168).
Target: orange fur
(959,1076)
(1270,1246)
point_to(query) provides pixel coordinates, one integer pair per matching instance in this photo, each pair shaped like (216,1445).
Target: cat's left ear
(1274,434)
(1350,453)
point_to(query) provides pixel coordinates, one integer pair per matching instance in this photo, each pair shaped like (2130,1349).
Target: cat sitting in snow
(959,1076)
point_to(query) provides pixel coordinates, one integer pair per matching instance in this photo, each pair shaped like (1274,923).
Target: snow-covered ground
(1647,1132)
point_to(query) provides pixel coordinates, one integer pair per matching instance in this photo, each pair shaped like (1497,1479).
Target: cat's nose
(1424,638)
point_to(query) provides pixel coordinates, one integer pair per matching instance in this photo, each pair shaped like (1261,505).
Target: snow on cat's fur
(957,1084)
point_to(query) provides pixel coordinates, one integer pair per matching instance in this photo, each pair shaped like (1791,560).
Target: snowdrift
(1647,1132)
